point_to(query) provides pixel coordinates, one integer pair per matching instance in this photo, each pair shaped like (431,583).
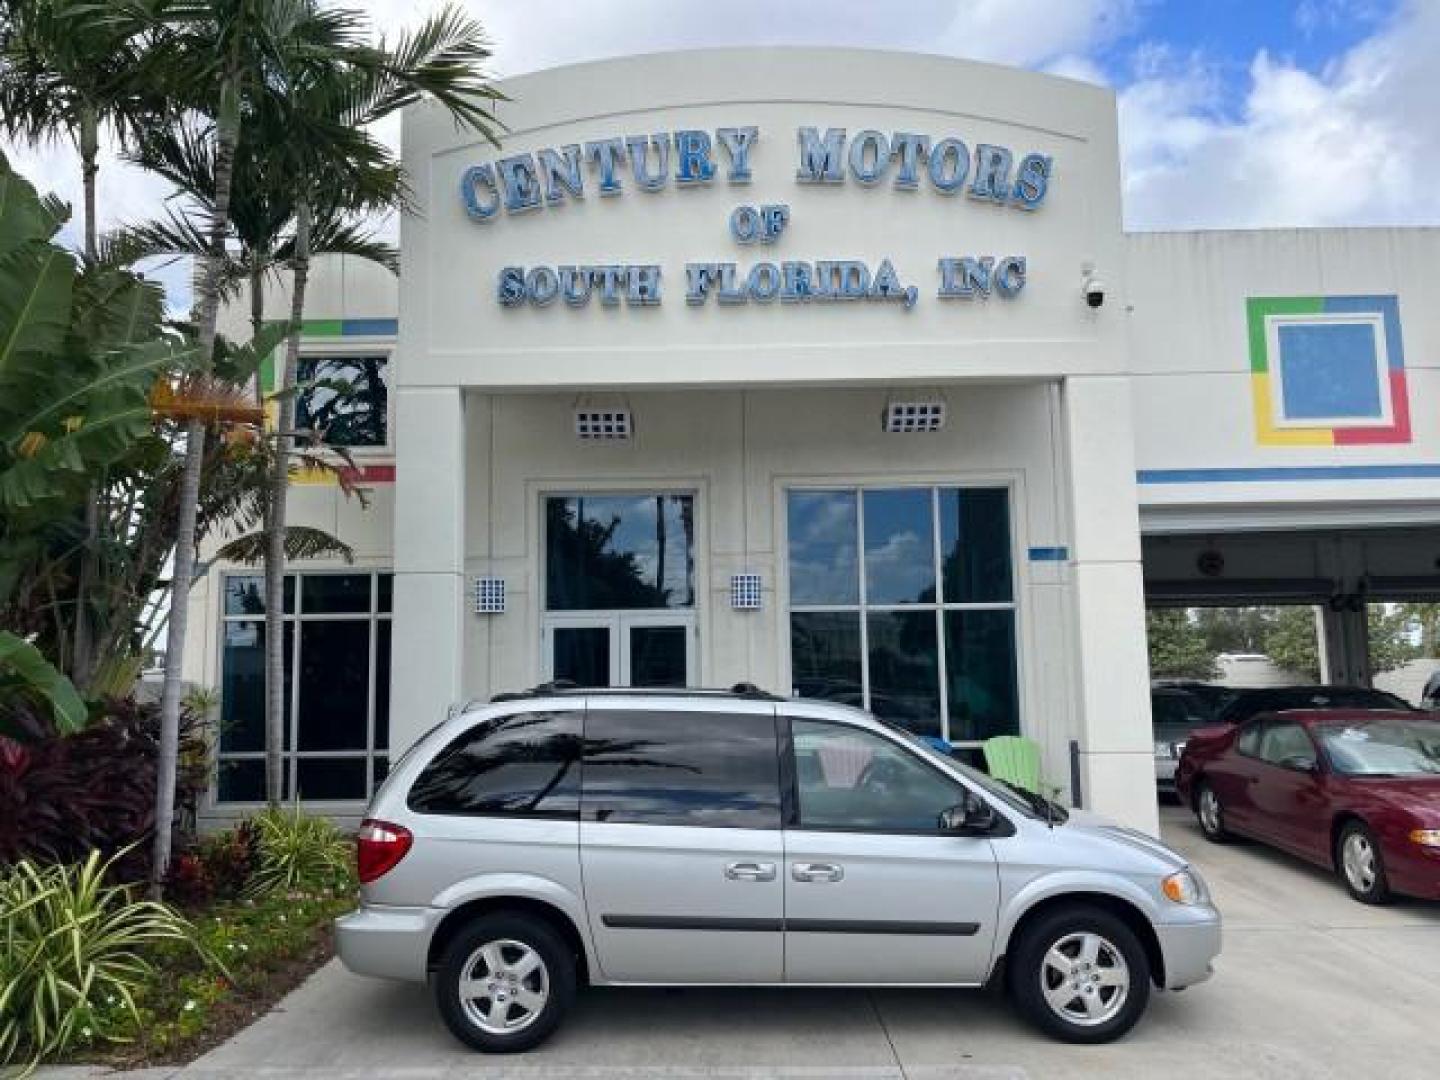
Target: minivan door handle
(750,871)
(817,871)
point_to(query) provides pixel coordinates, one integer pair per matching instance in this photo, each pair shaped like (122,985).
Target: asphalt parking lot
(1310,984)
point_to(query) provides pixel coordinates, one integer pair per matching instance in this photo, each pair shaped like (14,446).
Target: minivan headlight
(1182,888)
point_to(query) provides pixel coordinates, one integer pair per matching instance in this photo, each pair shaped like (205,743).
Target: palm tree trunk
(82,654)
(275,518)
(167,767)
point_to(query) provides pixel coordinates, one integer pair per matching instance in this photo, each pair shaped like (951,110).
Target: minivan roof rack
(565,688)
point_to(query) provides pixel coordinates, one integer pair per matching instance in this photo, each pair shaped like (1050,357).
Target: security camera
(1094,290)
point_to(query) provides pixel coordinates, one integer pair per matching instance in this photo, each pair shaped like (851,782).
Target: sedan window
(1383,748)
(1286,744)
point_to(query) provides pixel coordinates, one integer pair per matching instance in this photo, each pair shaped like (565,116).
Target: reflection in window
(344,399)
(524,765)
(869,629)
(852,779)
(699,769)
(619,552)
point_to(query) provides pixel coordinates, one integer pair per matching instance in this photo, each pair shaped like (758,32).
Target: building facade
(833,372)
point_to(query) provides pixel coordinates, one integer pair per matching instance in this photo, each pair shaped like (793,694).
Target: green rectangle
(322,327)
(1257,308)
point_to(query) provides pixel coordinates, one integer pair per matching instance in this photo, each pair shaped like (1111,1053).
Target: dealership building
(833,372)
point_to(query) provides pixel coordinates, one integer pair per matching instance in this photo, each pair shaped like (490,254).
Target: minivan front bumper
(387,942)
(1189,947)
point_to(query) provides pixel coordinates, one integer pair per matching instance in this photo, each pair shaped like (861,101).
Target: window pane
(975,545)
(334,684)
(824,534)
(825,656)
(382,684)
(242,686)
(244,595)
(852,779)
(330,778)
(241,781)
(324,594)
(682,769)
(605,552)
(582,655)
(385,589)
(980,670)
(899,547)
(657,656)
(348,409)
(523,765)
(904,669)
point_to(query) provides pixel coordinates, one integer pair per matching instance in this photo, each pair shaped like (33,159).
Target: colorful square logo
(1327,370)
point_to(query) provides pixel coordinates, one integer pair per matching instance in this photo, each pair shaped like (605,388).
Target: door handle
(750,871)
(817,871)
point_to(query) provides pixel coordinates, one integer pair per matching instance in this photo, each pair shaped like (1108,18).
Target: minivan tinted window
(525,765)
(680,768)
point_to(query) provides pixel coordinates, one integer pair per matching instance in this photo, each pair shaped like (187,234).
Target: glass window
(523,765)
(702,769)
(1249,741)
(905,669)
(824,567)
(825,656)
(1285,743)
(335,593)
(899,547)
(344,398)
(1383,747)
(983,697)
(334,684)
(582,655)
(847,778)
(975,545)
(619,552)
(341,697)
(658,655)
(878,633)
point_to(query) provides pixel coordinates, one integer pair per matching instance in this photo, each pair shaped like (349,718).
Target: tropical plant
(72,955)
(62,795)
(296,850)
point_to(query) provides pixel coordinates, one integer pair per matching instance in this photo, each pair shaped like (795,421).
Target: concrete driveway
(1310,984)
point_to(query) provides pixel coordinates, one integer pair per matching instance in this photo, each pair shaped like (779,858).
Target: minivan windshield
(1007,795)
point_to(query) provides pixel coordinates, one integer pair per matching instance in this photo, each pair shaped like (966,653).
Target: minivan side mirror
(971,817)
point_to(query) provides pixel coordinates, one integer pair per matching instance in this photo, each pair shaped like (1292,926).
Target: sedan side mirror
(972,817)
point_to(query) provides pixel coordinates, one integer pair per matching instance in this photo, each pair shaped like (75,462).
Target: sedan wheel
(1361,866)
(1210,814)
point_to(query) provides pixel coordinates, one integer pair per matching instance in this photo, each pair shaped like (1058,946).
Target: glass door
(641,649)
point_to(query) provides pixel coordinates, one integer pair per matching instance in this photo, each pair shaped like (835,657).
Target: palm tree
(234,62)
(440,60)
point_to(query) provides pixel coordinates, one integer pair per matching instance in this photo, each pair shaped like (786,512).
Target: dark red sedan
(1357,790)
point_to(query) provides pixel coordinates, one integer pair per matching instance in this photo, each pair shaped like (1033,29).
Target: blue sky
(1233,113)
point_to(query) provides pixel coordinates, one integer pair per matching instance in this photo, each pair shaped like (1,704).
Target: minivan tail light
(379,845)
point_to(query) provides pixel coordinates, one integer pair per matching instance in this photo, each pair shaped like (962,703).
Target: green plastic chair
(1016,760)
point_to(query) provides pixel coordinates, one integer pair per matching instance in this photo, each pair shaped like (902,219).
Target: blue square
(1329,371)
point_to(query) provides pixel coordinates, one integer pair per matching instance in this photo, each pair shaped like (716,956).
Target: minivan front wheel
(1080,974)
(504,983)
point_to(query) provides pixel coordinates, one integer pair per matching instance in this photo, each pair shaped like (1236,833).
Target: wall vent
(489,596)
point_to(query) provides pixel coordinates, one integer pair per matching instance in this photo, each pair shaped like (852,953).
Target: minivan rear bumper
(1189,948)
(387,942)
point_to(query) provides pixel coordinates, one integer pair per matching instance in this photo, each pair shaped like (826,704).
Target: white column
(1108,599)
(426,667)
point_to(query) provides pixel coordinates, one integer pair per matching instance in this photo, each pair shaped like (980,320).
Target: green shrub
(72,954)
(298,851)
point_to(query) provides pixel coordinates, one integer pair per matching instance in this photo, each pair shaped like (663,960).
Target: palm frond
(301,542)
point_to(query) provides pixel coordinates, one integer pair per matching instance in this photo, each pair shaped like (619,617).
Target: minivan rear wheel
(1080,974)
(504,983)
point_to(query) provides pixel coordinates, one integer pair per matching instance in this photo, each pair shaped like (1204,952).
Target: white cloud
(1352,145)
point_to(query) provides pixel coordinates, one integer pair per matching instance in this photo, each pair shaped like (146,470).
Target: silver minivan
(556,838)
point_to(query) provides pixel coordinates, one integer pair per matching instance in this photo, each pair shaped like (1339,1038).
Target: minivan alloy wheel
(1084,979)
(504,987)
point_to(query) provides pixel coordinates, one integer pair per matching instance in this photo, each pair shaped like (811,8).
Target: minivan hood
(1101,826)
